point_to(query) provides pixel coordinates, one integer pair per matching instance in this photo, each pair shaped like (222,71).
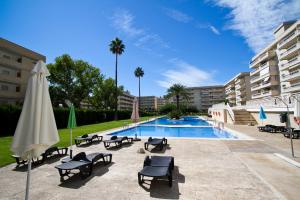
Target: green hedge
(9,116)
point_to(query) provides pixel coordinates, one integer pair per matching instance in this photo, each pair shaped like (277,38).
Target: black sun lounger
(94,158)
(117,141)
(295,134)
(59,150)
(159,161)
(272,128)
(79,162)
(156,142)
(21,161)
(87,138)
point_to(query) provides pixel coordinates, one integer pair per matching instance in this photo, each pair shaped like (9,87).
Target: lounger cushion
(154,171)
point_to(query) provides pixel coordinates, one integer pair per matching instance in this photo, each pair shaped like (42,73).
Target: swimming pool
(182,132)
(186,121)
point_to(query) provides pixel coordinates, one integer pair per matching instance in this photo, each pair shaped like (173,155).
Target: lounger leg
(146,146)
(106,145)
(140,178)
(170,180)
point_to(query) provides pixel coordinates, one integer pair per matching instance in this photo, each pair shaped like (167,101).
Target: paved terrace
(205,169)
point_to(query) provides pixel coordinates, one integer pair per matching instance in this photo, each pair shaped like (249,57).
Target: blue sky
(191,42)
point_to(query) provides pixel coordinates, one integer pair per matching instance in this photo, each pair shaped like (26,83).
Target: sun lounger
(49,152)
(94,158)
(21,161)
(159,161)
(117,141)
(87,138)
(155,172)
(78,162)
(295,134)
(272,128)
(155,142)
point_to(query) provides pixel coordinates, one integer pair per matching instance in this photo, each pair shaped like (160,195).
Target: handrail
(230,112)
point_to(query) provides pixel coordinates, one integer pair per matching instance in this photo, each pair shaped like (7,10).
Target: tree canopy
(72,79)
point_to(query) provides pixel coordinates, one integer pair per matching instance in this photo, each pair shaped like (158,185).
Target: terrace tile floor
(204,169)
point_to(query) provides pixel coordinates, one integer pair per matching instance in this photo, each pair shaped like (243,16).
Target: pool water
(190,132)
(187,127)
(191,121)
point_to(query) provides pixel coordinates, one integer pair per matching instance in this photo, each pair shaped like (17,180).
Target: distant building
(125,101)
(237,90)
(16,63)
(161,102)
(204,97)
(148,103)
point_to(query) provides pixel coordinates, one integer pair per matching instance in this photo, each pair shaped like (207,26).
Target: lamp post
(288,125)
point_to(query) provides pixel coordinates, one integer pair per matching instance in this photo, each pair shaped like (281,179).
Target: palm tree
(178,90)
(139,72)
(116,47)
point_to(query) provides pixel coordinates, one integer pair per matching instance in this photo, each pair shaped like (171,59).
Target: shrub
(9,116)
(174,114)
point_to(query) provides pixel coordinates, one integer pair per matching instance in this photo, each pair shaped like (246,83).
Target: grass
(64,134)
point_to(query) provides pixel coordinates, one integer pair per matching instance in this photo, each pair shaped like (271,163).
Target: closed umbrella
(71,125)
(135,111)
(36,129)
(262,114)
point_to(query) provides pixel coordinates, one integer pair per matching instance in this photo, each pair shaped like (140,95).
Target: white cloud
(123,21)
(214,30)
(178,15)
(185,18)
(186,74)
(255,20)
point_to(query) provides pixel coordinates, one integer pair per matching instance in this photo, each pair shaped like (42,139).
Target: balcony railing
(288,38)
(290,75)
(290,50)
(290,63)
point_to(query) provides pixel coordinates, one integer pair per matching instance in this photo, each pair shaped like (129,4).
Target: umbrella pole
(71,149)
(28,180)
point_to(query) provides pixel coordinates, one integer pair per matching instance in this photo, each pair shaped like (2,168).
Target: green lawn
(5,142)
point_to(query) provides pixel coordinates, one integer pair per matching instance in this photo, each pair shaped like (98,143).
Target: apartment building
(16,63)
(204,97)
(237,90)
(264,73)
(125,101)
(148,103)
(287,36)
(161,102)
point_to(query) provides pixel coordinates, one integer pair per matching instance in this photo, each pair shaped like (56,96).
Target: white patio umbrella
(135,111)
(36,129)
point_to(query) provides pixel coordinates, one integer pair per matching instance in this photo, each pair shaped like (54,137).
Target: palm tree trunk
(139,94)
(177,102)
(116,89)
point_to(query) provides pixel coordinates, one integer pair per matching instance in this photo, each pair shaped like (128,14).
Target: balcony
(287,40)
(261,86)
(258,78)
(292,88)
(262,94)
(291,76)
(231,91)
(11,63)
(261,58)
(290,52)
(291,63)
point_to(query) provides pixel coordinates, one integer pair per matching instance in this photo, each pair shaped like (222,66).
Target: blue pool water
(159,131)
(192,121)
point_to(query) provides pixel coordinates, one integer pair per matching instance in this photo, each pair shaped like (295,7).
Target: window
(19,60)
(4,87)
(18,89)
(5,72)
(6,56)
(19,74)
